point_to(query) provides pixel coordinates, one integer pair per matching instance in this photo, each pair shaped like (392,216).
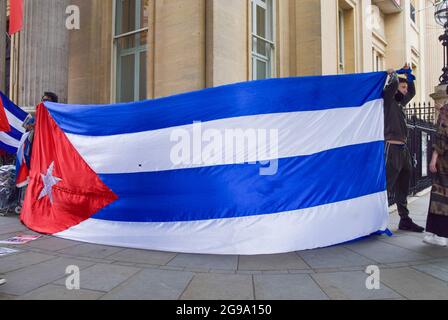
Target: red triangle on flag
(63,191)
(4,123)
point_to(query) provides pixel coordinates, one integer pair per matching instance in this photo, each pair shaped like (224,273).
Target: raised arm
(411,92)
(392,85)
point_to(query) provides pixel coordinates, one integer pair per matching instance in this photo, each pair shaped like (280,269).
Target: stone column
(43,52)
(2,43)
(308,37)
(179,47)
(226,42)
(90,48)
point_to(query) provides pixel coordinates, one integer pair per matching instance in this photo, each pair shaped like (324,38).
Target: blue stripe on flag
(238,190)
(244,99)
(9,149)
(14,133)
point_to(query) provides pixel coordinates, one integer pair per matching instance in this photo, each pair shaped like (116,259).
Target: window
(263,46)
(130,42)
(413,12)
(347,40)
(378,61)
(341,41)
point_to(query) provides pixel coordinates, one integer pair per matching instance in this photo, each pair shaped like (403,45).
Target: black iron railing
(421,119)
(422,112)
(422,132)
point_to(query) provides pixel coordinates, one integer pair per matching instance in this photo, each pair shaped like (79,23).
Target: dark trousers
(399,169)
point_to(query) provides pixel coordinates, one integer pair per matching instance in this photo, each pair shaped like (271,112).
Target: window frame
(120,53)
(269,41)
(378,59)
(413,12)
(341,40)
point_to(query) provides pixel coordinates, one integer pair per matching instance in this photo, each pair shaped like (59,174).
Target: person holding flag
(24,154)
(23,164)
(399,91)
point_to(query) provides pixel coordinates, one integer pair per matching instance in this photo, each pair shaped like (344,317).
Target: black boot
(409,225)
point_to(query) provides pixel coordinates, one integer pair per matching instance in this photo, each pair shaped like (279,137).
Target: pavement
(408,269)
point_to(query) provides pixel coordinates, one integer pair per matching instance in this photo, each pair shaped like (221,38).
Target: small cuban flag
(11,125)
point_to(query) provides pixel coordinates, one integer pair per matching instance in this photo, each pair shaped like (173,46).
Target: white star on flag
(49,181)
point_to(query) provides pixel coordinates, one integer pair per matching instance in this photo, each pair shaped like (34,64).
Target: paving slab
(327,270)
(272,262)
(52,244)
(152,285)
(308,271)
(12,228)
(333,257)
(401,233)
(56,292)
(287,287)
(172,268)
(205,261)
(415,285)
(197,270)
(275,272)
(351,286)
(9,220)
(22,260)
(94,260)
(219,287)
(382,252)
(30,278)
(4,296)
(363,268)
(143,256)
(90,250)
(103,277)
(443,263)
(225,271)
(416,244)
(434,270)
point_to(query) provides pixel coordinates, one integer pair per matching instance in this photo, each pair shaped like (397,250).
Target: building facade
(127,50)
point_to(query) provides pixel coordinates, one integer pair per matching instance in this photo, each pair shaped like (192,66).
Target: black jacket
(394,114)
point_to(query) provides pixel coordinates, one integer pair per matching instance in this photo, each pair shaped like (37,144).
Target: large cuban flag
(144,175)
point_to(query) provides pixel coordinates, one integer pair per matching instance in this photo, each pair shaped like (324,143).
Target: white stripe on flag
(304,229)
(150,151)
(14,121)
(5,138)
